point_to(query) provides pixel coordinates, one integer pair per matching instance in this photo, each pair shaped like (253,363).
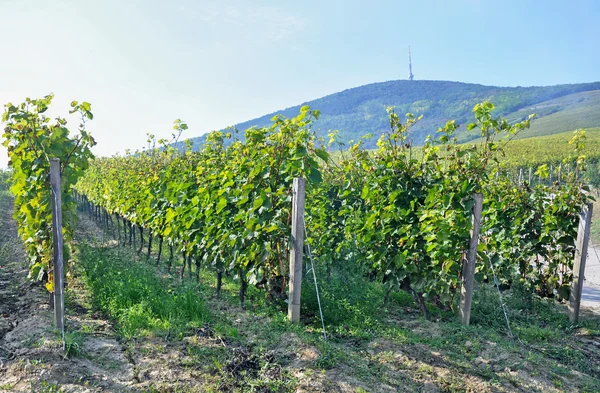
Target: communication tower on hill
(410,74)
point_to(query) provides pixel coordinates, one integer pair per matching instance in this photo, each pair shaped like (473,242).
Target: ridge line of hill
(361,110)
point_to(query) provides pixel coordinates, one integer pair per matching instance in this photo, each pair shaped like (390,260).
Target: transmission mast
(410,74)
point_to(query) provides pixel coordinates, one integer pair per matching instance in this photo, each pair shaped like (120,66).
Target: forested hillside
(361,110)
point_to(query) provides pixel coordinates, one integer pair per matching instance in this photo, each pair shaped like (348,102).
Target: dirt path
(31,359)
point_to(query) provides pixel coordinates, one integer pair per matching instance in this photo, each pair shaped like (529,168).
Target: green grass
(538,324)
(4,177)
(152,306)
(139,300)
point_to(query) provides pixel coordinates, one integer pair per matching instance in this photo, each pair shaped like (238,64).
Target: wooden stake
(520,177)
(297,243)
(468,270)
(583,237)
(57,243)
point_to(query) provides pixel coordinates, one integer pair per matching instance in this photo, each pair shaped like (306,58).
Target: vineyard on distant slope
(403,218)
(550,150)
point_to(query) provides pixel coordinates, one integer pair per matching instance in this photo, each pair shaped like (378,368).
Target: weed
(46,387)
(74,344)
(330,356)
(87,329)
(558,383)
(36,362)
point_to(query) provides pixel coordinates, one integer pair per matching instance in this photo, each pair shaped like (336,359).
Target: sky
(144,63)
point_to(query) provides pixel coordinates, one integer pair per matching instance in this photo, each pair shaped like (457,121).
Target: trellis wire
(510,333)
(315,278)
(497,283)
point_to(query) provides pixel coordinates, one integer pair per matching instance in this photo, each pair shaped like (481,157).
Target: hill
(361,110)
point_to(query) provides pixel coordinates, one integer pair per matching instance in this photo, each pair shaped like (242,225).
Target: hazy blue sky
(143,64)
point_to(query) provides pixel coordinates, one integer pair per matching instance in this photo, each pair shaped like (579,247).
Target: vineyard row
(403,219)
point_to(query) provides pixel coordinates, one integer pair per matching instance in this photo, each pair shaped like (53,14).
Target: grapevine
(32,139)
(402,215)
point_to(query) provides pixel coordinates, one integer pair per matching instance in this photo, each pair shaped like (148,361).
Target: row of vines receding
(400,213)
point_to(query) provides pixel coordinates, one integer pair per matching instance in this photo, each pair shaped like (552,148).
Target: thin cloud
(273,22)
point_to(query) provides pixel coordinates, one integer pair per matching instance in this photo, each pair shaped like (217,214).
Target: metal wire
(497,283)
(314,277)
(501,301)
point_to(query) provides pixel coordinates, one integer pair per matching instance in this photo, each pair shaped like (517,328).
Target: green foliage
(402,219)
(32,139)
(227,207)
(407,216)
(530,231)
(530,234)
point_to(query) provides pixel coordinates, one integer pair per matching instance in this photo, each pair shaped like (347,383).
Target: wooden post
(520,177)
(468,270)
(297,243)
(583,237)
(530,174)
(57,243)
